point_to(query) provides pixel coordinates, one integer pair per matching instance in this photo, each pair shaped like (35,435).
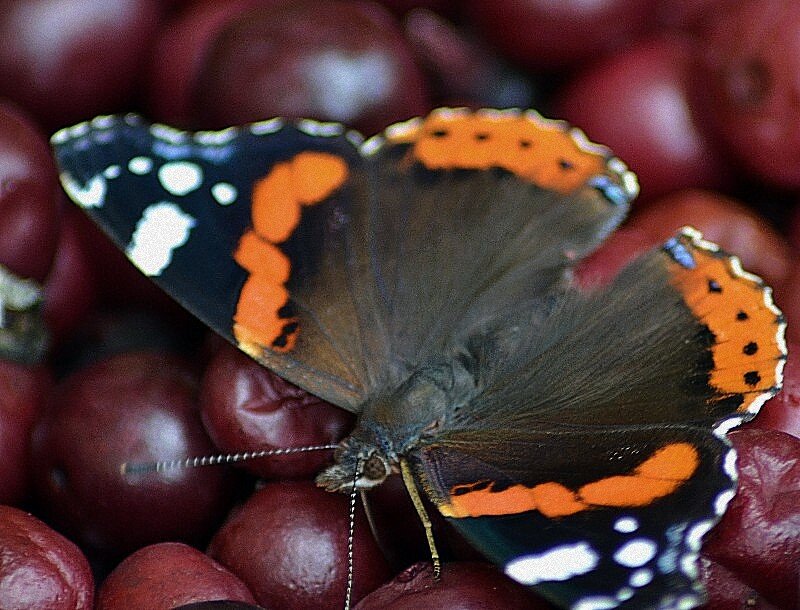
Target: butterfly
(422,279)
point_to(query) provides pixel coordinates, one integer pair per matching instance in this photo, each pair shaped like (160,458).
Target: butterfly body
(422,280)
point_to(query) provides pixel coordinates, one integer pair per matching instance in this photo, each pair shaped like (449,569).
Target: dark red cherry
(554,33)
(179,52)
(758,539)
(344,61)
(162,576)
(463,586)
(23,390)
(462,70)
(748,64)
(39,568)
(638,102)
(68,60)
(288,543)
(70,290)
(788,299)
(728,222)
(246,407)
(29,194)
(130,408)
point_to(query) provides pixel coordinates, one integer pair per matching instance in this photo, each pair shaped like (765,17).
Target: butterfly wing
(479,213)
(247,228)
(340,266)
(594,459)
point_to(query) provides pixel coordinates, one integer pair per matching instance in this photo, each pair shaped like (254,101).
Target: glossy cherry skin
(725,221)
(246,407)
(552,33)
(162,576)
(747,70)
(68,60)
(639,103)
(129,408)
(463,586)
(39,568)
(29,196)
(288,543)
(758,538)
(343,61)
(783,411)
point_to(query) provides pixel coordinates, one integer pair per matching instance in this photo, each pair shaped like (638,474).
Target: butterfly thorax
(396,422)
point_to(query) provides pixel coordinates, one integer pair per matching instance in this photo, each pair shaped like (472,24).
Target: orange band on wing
(263,317)
(737,309)
(658,476)
(539,151)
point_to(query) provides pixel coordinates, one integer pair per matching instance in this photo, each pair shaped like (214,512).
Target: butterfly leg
(411,487)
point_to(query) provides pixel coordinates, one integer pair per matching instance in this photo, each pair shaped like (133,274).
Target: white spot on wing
(140,165)
(180,177)
(224,193)
(560,563)
(90,195)
(626,525)
(640,578)
(636,553)
(162,228)
(599,602)
(112,171)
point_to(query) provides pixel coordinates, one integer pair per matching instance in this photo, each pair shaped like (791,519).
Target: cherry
(70,289)
(68,60)
(461,69)
(726,591)
(39,568)
(246,407)
(179,53)
(788,298)
(463,586)
(28,196)
(553,33)
(639,103)
(748,65)
(288,543)
(762,522)
(129,408)
(162,576)
(22,393)
(725,221)
(343,61)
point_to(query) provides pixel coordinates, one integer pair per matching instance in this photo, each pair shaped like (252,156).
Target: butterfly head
(359,462)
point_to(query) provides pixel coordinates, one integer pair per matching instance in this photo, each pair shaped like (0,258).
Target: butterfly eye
(375,469)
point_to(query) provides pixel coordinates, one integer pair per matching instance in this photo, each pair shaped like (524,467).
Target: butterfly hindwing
(582,426)
(615,516)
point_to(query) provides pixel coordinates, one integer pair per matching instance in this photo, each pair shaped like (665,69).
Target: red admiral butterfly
(421,280)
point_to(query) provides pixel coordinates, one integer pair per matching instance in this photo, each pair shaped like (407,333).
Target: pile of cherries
(699,97)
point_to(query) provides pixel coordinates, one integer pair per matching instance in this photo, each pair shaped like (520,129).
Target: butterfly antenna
(131,468)
(351,536)
(411,487)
